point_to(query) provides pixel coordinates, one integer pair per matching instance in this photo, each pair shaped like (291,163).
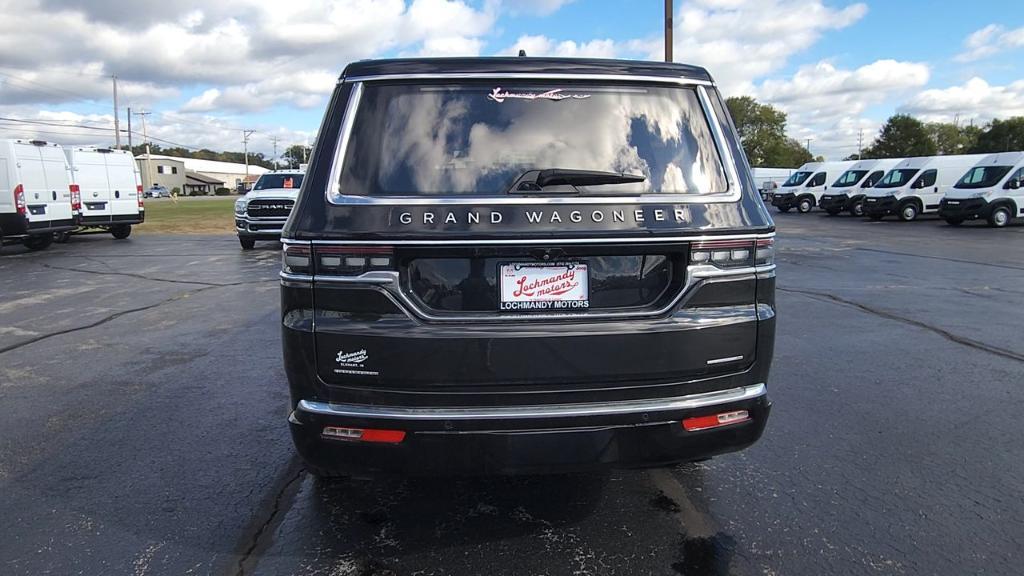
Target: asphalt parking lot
(144,404)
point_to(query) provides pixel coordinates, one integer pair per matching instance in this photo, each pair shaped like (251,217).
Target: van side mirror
(1013,184)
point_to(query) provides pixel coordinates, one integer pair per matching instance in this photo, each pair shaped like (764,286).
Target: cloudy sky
(207,70)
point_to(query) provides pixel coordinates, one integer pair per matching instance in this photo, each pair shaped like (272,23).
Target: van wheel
(908,212)
(954,221)
(804,206)
(121,231)
(61,237)
(832,212)
(247,243)
(999,217)
(41,242)
(858,208)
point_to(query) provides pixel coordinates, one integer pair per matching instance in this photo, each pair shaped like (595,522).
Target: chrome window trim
(552,240)
(687,402)
(334,196)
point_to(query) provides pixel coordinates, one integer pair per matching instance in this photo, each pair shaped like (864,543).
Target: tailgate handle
(117,193)
(54,194)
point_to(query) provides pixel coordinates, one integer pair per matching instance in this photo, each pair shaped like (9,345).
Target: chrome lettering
(451,219)
(618,216)
(597,216)
(474,218)
(405,218)
(495,217)
(575,216)
(638,215)
(428,217)
(534,216)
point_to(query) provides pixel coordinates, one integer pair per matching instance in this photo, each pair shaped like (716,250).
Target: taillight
(76,198)
(764,255)
(715,420)
(733,253)
(138,190)
(353,260)
(19,199)
(364,434)
(296,259)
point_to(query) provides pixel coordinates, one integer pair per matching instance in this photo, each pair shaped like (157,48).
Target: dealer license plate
(529,287)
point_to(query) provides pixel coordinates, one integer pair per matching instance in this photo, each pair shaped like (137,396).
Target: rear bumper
(967,209)
(112,220)
(529,439)
(50,226)
(879,206)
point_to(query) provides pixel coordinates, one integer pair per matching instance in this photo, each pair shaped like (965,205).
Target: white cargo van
(109,185)
(916,186)
(36,199)
(804,188)
(768,180)
(993,189)
(848,190)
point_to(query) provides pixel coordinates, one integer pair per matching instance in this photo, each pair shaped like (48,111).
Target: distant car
(157,192)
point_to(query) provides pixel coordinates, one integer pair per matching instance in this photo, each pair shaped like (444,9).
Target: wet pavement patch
(706,556)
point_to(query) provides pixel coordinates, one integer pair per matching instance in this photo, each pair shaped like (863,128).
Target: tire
(121,231)
(247,243)
(804,205)
(954,221)
(832,212)
(999,217)
(875,217)
(857,208)
(39,242)
(61,237)
(908,212)
(781,209)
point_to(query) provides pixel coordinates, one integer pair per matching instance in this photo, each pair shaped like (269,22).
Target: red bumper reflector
(364,434)
(715,420)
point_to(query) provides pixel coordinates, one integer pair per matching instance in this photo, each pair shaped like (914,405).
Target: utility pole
(808,145)
(130,131)
(860,144)
(145,140)
(275,140)
(668,30)
(245,152)
(117,121)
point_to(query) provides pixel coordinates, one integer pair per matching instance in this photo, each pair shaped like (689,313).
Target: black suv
(519,265)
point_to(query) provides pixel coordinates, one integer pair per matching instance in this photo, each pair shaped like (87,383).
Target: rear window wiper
(536,180)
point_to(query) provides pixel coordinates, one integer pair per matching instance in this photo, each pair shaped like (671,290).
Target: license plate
(951,203)
(870,200)
(560,286)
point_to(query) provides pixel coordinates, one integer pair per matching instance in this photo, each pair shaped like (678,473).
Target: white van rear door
(58,183)
(33,181)
(124,197)
(91,176)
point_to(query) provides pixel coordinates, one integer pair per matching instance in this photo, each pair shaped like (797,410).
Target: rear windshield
(272,181)
(896,178)
(849,178)
(422,140)
(983,177)
(797,178)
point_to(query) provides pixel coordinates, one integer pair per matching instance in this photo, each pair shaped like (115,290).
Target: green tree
(296,154)
(1001,136)
(950,138)
(762,130)
(902,136)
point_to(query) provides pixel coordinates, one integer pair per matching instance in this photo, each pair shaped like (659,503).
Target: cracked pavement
(144,429)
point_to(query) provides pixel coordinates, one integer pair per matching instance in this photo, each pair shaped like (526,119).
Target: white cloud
(544,46)
(301,89)
(990,40)
(538,7)
(740,41)
(976,99)
(826,103)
